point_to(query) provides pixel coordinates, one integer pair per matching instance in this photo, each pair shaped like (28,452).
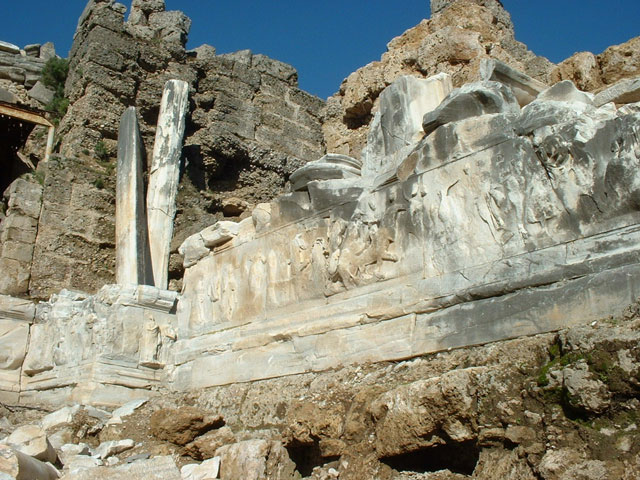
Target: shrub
(54,76)
(101,151)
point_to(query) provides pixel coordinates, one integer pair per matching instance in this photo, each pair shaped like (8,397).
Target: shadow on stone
(456,457)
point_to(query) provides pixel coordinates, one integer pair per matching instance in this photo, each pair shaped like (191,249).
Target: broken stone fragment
(21,466)
(472,100)
(32,440)
(261,216)
(219,233)
(113,447)
(206,470)
(566,91)
(7,97)
(126,410)
(79,463)
(59,417)
(69,451)
(525,88)
(47,51)
(41,93)
(32,50)
(625,91)
(332,166)
(586,392)
(193,250)
(198,245)
(255,459)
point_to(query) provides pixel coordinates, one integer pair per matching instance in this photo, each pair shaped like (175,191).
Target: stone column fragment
(17,465)
(133,262)
(165,173)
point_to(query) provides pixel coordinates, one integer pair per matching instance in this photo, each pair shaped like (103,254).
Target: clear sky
(327,40)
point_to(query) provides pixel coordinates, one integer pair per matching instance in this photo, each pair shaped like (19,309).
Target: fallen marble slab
(623,92)
(156,468)
(525,88)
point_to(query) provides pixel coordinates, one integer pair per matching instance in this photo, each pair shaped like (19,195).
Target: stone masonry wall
(249,127)
(18,234)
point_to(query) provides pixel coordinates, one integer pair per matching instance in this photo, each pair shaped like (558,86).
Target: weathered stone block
(625,91)
(525,88)
(13,343)
(15,277)
(398,123)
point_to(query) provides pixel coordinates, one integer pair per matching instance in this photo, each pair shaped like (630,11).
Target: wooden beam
(24,115)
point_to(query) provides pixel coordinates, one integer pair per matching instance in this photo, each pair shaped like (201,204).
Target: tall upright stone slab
(133,260)
(165,173)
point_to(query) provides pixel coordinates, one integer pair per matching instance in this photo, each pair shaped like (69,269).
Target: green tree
(54,76)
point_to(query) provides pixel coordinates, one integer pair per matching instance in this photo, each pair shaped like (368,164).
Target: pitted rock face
(495,6)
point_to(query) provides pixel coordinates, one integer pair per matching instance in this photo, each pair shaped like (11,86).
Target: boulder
(183,425)
(234,206)
(41,93)
(256,460)
(586,391)
(205,471)
(205,446)
(32,440)
(59,417)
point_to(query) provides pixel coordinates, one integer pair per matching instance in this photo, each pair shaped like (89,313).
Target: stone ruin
(500,208)
(475,214)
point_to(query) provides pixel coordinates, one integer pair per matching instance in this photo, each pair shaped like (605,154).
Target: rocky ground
(556,406)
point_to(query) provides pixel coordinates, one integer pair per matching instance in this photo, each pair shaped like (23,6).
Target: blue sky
(327,40)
